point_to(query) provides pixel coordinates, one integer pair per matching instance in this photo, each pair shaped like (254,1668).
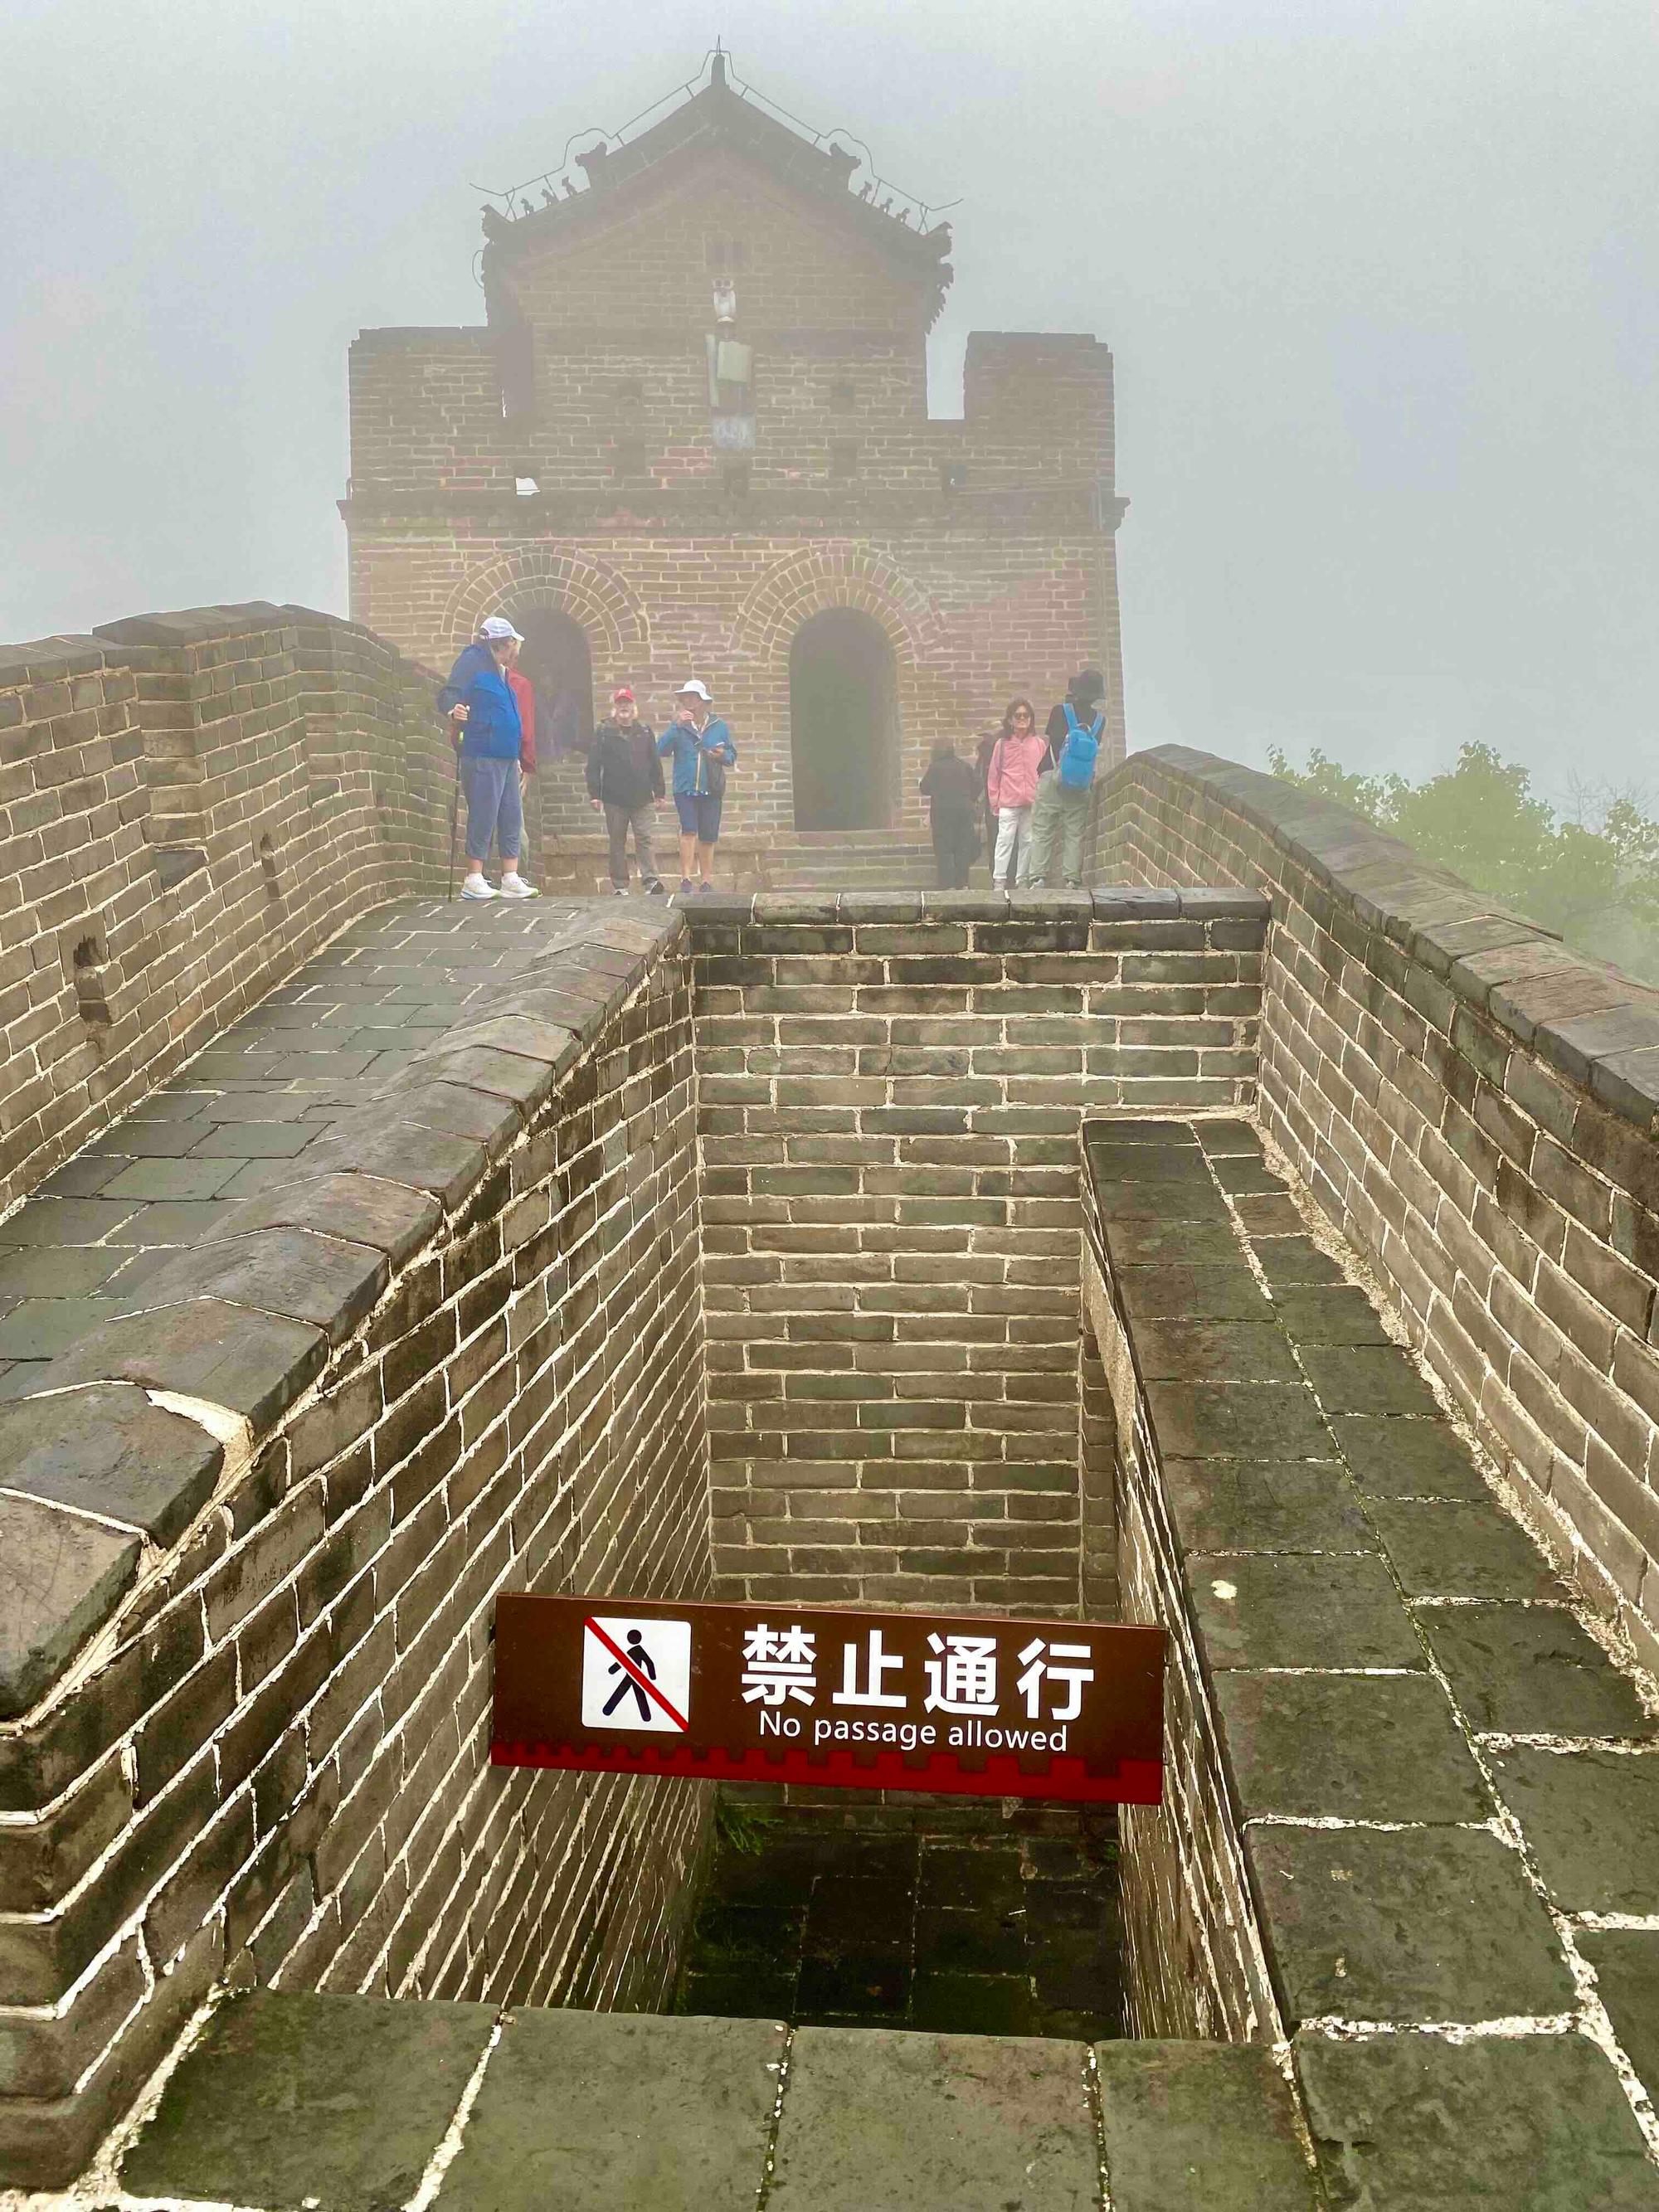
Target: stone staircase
(572,849)
(362,2105)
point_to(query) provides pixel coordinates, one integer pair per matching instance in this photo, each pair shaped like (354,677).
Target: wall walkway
(1408,1792)
(449,2107)
(1475,1107)
(290,1448)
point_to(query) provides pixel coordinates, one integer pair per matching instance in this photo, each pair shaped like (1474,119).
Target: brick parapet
(1403,1782)
(462,1353)
(190,805)
(1476,1107)
(890,1088)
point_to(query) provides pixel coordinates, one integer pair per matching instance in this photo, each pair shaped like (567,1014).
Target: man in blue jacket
(702,750)
(484,719)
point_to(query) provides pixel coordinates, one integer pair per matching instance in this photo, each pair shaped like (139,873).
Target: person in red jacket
(524,694)
(1010,785)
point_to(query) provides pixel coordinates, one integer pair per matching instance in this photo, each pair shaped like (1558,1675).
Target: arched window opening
(556,659)
(843,722)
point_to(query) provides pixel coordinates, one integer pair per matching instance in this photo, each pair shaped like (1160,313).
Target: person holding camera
(700,745)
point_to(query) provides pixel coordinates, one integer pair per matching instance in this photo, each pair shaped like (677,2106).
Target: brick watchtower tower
(693,437)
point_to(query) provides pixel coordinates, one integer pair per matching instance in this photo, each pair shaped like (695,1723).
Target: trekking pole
(454,819)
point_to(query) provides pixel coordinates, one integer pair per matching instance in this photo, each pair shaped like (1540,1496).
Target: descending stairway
(362,2105)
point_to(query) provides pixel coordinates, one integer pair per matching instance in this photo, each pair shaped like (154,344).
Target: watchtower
(692,437)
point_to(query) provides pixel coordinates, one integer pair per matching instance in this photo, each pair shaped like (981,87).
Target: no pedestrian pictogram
(636,1673)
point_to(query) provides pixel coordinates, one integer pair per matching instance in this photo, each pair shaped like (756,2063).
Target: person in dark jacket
(952,788)
(485,723)
(624,778)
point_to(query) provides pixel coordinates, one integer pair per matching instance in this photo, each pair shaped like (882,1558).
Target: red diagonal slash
(648,1686)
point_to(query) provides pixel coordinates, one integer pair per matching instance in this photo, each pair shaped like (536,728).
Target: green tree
(1593,877)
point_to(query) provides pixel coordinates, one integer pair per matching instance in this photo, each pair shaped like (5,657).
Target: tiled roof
(717,116)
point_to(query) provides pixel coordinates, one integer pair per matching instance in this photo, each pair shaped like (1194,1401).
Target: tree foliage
(1592,875)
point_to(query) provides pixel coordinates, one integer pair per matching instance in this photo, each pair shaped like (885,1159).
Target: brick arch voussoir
(619,633)
(809,583)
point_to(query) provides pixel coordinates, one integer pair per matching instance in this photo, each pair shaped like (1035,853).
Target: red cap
(620,693)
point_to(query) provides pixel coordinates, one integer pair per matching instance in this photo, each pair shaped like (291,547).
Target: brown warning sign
(965,1704)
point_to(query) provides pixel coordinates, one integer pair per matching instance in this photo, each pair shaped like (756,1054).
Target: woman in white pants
(1010,786)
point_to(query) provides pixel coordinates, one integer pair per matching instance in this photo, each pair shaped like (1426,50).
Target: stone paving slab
(1347,1746)
(1200,2127)
(1408,1459)
(596,2112)
(1441,1549)
(1531,1669)
(290,2101)
(1265,1505)
(1592,1818)
(1527,2124)
(1322,1610)
(1405,1924)
(877,2121)
(1626,1964)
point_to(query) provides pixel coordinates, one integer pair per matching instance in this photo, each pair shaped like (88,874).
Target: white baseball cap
(498,627)
(693,689)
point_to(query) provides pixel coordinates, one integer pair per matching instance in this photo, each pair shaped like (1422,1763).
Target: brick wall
(271,1765)
(1475,1107)
(890,1102)
(972,618)
(189,805)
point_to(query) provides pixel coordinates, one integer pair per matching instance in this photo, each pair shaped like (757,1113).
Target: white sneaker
(514,886)
(474,887)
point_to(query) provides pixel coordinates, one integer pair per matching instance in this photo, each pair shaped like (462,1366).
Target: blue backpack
(1079,753)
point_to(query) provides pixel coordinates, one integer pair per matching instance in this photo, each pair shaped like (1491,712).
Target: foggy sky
(1381,281)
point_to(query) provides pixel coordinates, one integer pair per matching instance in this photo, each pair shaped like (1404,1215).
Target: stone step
(354,2102)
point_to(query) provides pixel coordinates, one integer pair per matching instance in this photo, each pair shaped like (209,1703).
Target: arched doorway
(843,722)
(556,659)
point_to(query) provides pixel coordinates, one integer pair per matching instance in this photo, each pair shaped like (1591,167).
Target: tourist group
(1028,791)
(491,711)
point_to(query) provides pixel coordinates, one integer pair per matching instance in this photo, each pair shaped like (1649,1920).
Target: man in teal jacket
(701,747)
(484,721)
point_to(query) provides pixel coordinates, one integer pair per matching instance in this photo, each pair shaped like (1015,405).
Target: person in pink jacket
(1010,786)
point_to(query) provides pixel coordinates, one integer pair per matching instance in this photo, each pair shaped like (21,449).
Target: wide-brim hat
(693,690)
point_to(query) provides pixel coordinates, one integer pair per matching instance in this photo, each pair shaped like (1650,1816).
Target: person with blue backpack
(1065,783)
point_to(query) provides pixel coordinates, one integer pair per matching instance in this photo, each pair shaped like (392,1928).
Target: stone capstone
(61,1577)
(107,1450)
